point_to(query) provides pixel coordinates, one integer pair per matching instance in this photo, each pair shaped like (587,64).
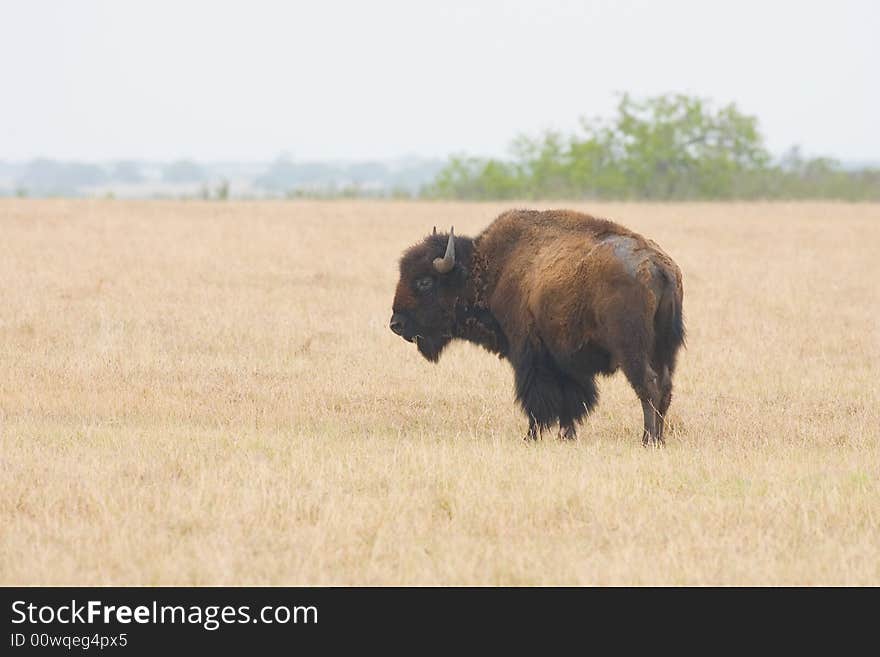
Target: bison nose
(397,324)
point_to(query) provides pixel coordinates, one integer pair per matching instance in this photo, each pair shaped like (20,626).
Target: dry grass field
(208,393)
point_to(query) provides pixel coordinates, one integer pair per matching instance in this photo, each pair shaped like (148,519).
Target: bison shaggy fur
(563,296)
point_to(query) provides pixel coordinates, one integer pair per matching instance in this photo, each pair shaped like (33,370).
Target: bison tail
(669,331)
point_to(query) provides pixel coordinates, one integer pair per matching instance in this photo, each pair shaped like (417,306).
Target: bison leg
(632,351)
(537,389)
(645,382)
(549,393)
(533,430)
(649,394)
(651,434)
(579,396)
(665,400)
(567,432)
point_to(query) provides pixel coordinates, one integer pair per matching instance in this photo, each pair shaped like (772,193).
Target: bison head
(432,278)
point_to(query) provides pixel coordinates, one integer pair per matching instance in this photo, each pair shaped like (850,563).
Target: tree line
(668,147)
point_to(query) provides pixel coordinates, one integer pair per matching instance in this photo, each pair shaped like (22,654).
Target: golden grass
(207,393)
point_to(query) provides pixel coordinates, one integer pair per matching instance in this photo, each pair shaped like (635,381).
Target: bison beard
(431,348)
(563,296)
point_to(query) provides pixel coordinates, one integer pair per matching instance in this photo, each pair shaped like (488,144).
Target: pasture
(208,393)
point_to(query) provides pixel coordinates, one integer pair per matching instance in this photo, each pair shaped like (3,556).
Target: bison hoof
(652,441)
(567,433)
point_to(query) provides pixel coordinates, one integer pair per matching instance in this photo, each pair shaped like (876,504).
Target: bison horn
(435,230)
(445,264)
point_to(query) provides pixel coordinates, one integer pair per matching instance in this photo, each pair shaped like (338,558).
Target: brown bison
(560,294)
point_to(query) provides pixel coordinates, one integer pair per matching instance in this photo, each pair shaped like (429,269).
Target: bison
(563,296)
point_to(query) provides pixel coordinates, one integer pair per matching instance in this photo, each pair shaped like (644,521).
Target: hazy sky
(249,79)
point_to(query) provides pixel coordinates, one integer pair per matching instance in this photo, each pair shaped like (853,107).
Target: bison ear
(445,264)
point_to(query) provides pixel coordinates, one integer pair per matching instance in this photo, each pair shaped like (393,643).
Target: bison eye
(424,284)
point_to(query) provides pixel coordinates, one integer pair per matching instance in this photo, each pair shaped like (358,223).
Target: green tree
(664,147)
(474,179)
(675,146)
(543,164)
(223,190)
